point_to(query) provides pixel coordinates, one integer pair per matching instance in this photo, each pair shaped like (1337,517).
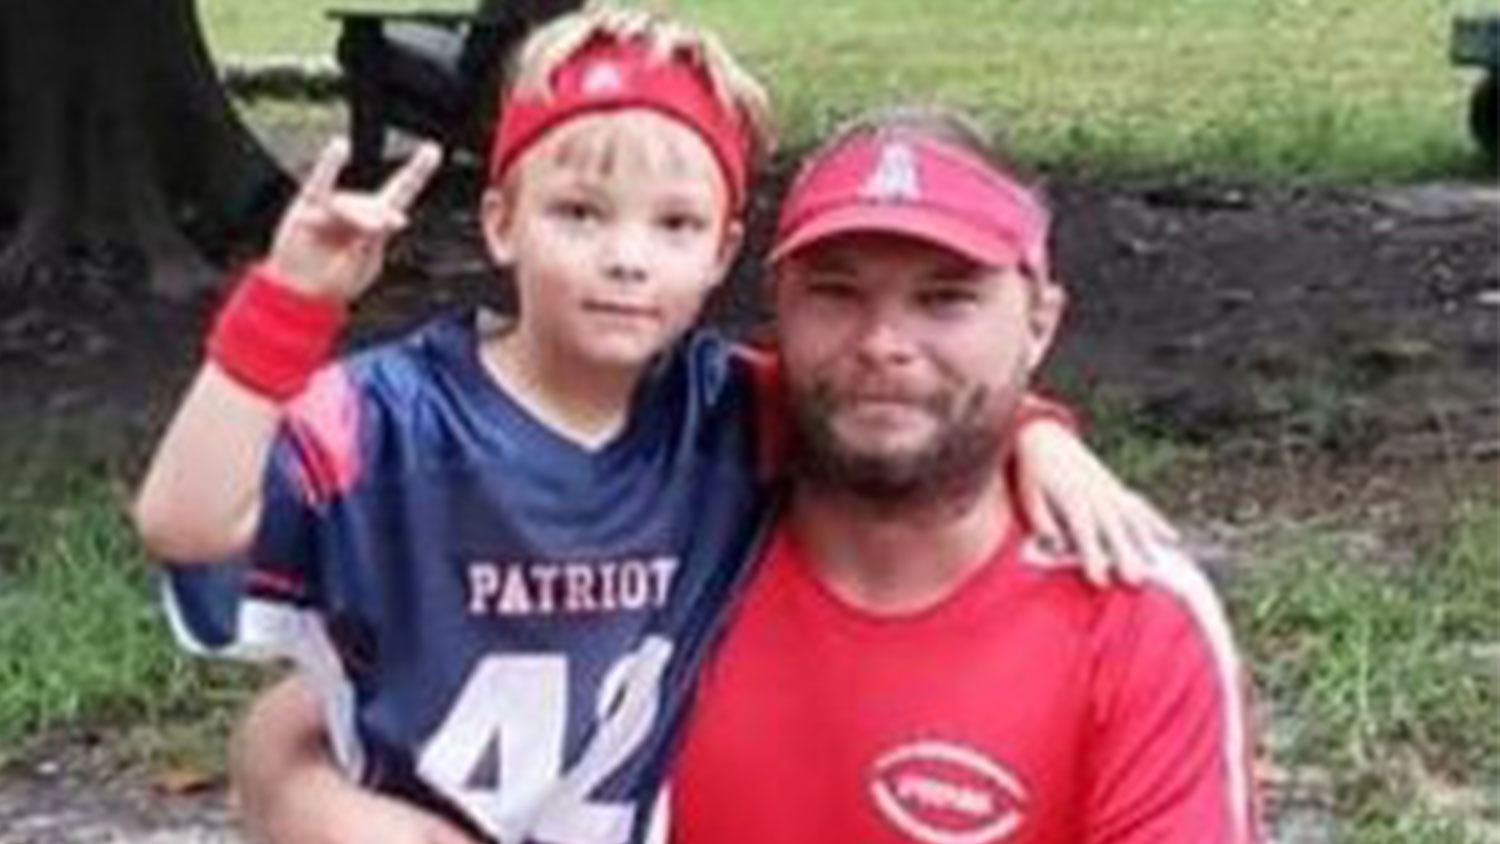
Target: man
(907,664)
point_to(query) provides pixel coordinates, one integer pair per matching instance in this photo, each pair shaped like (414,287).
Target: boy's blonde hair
(734,86)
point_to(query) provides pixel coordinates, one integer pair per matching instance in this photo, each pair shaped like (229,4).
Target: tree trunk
(119,145)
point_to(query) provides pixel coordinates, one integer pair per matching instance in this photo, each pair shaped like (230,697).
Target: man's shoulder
(1174,593)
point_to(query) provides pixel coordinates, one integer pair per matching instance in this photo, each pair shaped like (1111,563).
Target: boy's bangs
(643,143)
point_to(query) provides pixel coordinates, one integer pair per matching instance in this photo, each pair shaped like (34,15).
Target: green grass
(1366,663)
(1312,89)
(237,28)
(1128,443)
(1371,676)
(1116,426)
(82,641)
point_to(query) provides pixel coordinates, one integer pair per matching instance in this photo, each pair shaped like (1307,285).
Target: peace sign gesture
(330,243)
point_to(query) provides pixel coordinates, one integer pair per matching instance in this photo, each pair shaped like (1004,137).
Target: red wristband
(271,338)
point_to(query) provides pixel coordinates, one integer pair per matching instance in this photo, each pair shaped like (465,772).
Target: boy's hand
(331,243)
(1076,501)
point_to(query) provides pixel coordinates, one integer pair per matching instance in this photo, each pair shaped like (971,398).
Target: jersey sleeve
(768,400)
(262,604)
(1169,753)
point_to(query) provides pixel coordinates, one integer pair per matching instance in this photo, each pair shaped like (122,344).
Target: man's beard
(956,463)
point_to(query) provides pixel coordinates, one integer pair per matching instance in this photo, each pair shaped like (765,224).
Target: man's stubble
(961,458)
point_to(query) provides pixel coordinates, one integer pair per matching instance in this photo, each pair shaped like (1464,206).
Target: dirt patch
(77,791)
(1355,323)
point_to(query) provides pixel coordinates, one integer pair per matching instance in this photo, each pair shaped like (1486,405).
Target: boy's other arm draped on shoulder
(1070,497)
(1066,493)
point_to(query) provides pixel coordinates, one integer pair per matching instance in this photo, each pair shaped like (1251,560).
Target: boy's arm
(201,496)
(291,792)
(1065,492)
(1069,496)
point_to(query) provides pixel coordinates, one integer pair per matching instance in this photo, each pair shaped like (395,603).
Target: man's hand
(354,816)
(291,792)
(331,243)
(343,813)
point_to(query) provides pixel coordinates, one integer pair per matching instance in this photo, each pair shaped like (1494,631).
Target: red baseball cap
(609,74)
(900,182)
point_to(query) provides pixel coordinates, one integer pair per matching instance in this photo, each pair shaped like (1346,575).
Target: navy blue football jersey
(506,627)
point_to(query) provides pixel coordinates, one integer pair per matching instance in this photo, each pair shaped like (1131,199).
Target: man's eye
(832,289)
(947,298)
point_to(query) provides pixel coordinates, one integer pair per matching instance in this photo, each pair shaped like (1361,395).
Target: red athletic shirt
(1025,708)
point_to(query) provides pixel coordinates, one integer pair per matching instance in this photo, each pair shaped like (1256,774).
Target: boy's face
(905,360)
(618,226)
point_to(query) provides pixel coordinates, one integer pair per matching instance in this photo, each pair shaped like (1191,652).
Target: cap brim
(983,246)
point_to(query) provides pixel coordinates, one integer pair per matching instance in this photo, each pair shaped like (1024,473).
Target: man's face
(904,362)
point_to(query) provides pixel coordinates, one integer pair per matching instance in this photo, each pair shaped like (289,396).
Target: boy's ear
(729,249)
(497,222)
(1048,302)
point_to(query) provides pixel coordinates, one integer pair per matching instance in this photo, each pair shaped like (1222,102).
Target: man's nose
(626,254)
(884,340)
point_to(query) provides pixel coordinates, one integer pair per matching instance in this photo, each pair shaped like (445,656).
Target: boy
(500,551)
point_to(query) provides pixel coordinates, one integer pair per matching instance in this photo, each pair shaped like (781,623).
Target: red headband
(903,183)
(607,75)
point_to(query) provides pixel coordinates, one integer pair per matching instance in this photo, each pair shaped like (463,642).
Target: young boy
(499,550)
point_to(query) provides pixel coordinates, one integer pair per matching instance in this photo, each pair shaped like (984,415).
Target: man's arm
(291,792)
(1170,755)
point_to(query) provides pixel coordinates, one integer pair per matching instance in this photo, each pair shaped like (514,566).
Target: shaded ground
(1337,349)
(77,793)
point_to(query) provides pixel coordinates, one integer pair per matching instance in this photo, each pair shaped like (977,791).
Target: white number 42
(498,753)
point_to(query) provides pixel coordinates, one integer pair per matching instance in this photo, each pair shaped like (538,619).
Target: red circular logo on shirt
(943,793)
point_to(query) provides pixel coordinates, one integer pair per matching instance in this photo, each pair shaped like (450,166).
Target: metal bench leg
(363,41)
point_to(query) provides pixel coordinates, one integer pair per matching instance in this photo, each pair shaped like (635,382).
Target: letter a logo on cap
(602,78)
(894,178)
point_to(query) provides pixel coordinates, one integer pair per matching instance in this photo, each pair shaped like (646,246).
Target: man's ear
(1048,302)
(497,223)
(776,286)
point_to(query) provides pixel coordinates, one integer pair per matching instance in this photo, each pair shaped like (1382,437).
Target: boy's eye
(574,210)
(683,223)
